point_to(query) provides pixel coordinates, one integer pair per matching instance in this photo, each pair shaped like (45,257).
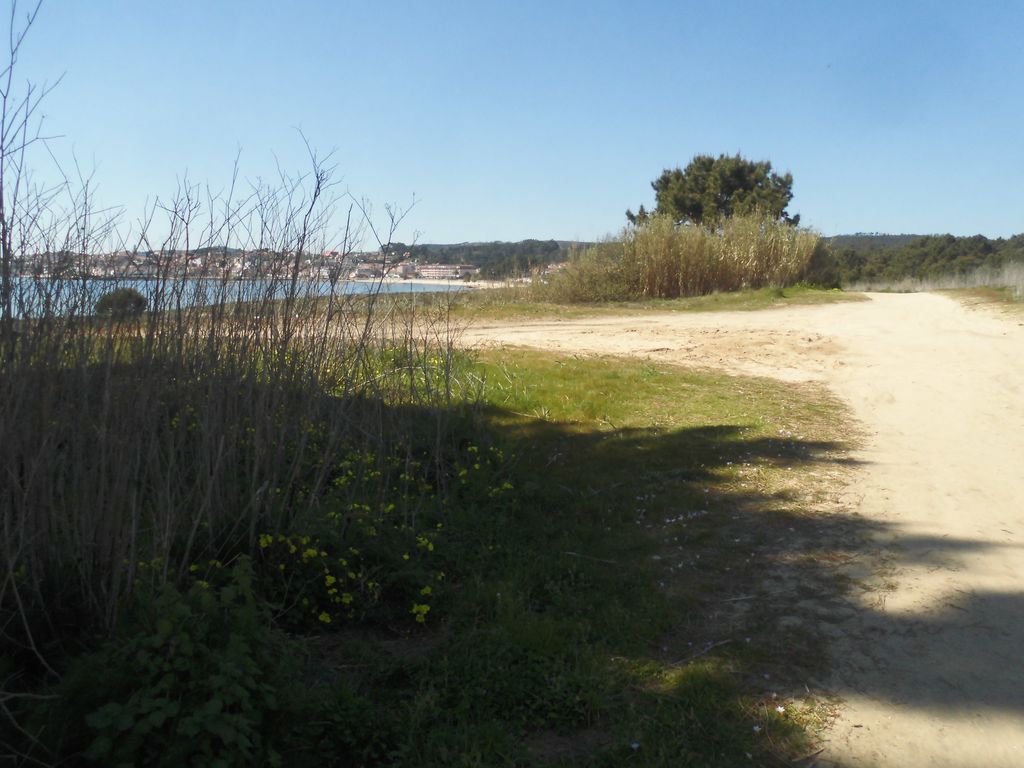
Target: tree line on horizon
(847,260)
(496,260)
(711,190)
(886,258)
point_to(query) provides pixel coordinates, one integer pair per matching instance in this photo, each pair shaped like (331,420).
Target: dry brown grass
(135,446)
(188,432)
(664,260)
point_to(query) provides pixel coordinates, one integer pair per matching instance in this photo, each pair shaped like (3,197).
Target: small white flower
(757,729)
(781,710)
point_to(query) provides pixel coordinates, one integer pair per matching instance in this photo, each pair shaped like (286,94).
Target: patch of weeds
(384,545)
(697,486)
(192,677)
(1006,300)
(344,725)
(691,715)
(519,305)
(598,546)
(529,670)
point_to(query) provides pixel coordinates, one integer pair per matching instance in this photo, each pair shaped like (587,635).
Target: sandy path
(931,668)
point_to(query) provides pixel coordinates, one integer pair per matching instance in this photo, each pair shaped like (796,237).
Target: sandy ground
(930,660)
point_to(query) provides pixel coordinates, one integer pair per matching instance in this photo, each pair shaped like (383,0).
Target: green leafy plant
(196,677)
(379,549)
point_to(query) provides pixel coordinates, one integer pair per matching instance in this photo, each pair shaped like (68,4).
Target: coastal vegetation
(254,524)
(659,259)
(719,225)
(374,549)
(121,303)
(496,260)
(923,262)
(247,522)
(521,302)
(711,189)
(855,262)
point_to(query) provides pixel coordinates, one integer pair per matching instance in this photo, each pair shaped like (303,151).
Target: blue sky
(548,119)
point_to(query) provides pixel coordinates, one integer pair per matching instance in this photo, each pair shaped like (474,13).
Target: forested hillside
(871,241)
(495,259)
(850,258)
(856,258)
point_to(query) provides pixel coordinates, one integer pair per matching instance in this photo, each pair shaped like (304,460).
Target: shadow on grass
(758,576)
(641,597)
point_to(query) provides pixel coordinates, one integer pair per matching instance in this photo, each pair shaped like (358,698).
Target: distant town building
(405,269)
(368,270)
(446,271)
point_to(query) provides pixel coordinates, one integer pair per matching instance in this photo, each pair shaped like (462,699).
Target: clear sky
(509,120)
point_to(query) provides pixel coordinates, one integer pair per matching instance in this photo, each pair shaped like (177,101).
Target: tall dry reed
(136,446)
(661,259)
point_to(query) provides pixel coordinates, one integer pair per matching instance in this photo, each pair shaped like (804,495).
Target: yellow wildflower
(420,612)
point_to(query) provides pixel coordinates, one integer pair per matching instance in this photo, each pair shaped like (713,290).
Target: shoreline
(391,281)
(430,282)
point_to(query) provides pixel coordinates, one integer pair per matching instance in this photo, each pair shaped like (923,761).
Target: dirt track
(931,662)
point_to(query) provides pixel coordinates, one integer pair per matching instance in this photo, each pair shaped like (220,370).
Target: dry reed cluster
(661,259)
(135,446)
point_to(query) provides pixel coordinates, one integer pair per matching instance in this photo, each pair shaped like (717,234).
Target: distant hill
(217,250)
(879,258)
(496,259)
(871,241)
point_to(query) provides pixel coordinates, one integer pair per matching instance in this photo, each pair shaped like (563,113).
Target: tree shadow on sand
(782,578)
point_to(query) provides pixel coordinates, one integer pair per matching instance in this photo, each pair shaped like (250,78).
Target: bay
(43,296)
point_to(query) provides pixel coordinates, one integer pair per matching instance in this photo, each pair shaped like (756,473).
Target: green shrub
(121,303)
(379,549)
(194,678)
(823,268)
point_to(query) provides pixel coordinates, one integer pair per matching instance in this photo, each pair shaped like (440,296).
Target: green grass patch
(573,638)
(516,303)
(659,485)
(579,551)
